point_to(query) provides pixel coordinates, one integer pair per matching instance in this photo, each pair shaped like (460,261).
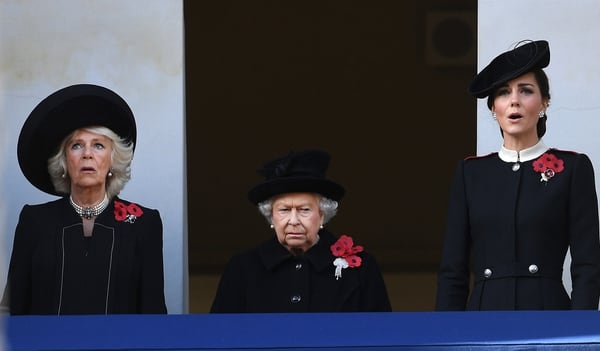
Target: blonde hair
(120,160)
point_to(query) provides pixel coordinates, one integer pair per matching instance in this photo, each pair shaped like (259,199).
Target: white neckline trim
(524,155)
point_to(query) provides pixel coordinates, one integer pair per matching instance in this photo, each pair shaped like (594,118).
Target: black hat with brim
(509,65)
(59,114)
(298,172)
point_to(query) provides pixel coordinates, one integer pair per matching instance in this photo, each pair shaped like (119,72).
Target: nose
(87,152)
(514,98)
(293,217)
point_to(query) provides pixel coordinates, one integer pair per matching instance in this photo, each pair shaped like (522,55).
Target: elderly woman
(304,268)
(516,212)
(89,252)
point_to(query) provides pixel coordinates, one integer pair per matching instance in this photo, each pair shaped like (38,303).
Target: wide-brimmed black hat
(61,113)
(297,172)
(509,65)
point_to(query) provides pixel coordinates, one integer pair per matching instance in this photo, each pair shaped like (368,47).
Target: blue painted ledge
(539,330)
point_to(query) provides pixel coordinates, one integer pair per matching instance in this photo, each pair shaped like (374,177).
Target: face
(517,106)
(88,160)
(296,220)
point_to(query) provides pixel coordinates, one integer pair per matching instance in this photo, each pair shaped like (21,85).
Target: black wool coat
(55,270)
(513,230)
(269,279)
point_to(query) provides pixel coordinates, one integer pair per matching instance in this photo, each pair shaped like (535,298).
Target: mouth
(295,234)
(515,116)
(87,170)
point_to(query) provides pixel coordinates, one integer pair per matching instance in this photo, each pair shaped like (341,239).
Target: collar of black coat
(524,155)
(273,254)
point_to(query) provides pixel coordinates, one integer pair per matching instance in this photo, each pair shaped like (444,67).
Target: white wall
(572,30)
(133,47)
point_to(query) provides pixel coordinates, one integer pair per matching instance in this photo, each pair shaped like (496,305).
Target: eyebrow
(92,139)
(519,85)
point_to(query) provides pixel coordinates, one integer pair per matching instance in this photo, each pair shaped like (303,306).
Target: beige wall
(47,45)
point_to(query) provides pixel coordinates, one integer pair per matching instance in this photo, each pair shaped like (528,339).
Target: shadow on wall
(375,83)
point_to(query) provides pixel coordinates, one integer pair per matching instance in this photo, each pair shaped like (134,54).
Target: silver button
(533,269)
(295,298)
(487,273)
(298,266)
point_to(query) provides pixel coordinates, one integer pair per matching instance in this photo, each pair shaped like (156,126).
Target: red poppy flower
(345,251)
(539,166)
(135,210)
(128,213)
(120,211)
(344,246)
(557,166)
(548,165)
(354,261)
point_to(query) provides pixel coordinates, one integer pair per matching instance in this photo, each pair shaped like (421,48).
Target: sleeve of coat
(453,276)
(584,237)
(230,294)
(18,286)
(152,291)
(376,295)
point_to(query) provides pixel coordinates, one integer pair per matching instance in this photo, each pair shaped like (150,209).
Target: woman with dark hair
(513,214)
(304,267)
(89,252)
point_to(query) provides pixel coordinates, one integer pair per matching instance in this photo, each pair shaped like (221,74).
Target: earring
(272,226)
(321,226)
(110,173)
(541,114)
(494,116)
(63,176)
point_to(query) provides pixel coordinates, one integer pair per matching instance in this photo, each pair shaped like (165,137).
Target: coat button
(533,269)
(487,273)
(295,298)
(298,266)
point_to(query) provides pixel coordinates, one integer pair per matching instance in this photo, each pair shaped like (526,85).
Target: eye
(305,211)
(76,146)
(99,146)
(502,92)
(526,91)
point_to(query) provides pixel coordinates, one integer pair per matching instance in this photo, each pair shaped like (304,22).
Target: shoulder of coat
(572,152)
(475,157)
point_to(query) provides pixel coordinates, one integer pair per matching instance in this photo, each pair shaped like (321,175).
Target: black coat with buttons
(509,232)
(269,279)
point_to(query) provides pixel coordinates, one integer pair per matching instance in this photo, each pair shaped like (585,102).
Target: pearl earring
(321,226)
(63,175)
(109,173)
(494,116)
(272,226)
(541,114)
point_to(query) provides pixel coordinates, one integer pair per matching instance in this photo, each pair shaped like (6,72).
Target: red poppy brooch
(345,253)
(548,165)
(127,213)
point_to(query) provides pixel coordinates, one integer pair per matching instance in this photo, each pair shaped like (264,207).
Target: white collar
(528,154)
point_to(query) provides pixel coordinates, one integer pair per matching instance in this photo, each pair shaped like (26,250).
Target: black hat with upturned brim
(59,114)
(509,65)
(297,172)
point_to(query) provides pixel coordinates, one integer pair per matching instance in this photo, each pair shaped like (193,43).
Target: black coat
(55,270)
(269,279)
(514,230)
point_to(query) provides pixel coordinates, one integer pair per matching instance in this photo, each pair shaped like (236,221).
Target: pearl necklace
(90,211)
